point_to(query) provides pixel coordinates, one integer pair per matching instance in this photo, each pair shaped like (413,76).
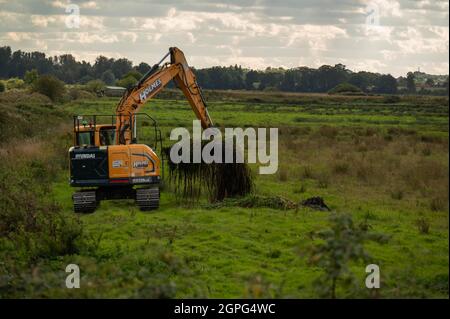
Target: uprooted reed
(218,180)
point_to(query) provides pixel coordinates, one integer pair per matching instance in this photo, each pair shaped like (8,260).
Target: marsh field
(381,161)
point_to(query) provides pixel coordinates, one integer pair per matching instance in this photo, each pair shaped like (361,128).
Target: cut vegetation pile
(219,180)
(256,201)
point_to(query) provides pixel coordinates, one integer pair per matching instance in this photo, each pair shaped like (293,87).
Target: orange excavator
(106,162)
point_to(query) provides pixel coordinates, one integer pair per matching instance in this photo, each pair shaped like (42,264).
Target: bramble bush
(341,244)
(49,86)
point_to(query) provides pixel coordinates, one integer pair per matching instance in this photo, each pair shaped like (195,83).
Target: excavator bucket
(217,180)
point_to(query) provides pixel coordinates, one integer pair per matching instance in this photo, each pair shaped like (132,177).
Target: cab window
(107,136)
(85,138)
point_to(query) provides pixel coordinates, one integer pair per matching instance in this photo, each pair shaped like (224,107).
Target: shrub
(15,83)
(95,86)
(135,74)
(76,94)
(344,88)
(127,82)
(32,221)
(342,244)
(31,76)
(49,86)
(2,86)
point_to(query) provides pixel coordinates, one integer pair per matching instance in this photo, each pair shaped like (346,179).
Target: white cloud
(19,36)
(42,21)
(90,5)
(191,37)
(86,37)
(129,36)
(315,35)
(255,34)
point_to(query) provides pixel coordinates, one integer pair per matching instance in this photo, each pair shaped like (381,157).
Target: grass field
(383,162)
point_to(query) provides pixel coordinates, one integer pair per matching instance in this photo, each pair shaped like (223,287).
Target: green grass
(226,252)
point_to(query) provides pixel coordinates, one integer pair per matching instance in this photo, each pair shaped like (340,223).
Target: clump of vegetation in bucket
(219,180)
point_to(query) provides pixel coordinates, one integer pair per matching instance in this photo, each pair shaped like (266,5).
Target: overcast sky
(386,36)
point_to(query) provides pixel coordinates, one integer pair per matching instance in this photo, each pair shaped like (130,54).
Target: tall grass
(32,224)
(361,158)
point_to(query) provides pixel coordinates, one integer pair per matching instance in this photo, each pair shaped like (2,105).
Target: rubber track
(84,202)
(147,198)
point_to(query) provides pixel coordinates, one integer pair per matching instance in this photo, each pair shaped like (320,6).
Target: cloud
(255,34)
(18,36)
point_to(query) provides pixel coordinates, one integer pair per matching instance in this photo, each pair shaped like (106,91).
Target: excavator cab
(89,133)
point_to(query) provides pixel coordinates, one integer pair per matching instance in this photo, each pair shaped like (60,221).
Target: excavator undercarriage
(86,201)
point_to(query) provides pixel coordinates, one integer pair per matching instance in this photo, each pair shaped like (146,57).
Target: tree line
(122,72)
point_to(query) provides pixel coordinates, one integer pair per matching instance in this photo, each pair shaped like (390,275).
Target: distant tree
(121,67)
(328,76)
(136,74)
(50,86)
(290,80)
(446,86)
(101,65)
(127,82)
(359,80)
(17,64)
(2,86)
(386,84)
(85,79)
(271,78)
(410,83)
(429,82)
(251,77)
(203,78)
(142,68)
(108,77)
(31,76)
(5,57)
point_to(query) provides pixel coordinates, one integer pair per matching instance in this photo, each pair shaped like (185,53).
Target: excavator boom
(153,82)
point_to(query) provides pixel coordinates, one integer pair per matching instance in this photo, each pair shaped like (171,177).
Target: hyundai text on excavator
(106,161)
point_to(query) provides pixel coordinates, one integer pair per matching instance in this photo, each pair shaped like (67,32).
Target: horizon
(136,63)
(387,37)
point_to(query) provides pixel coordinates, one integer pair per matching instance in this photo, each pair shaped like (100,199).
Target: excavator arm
(152,83)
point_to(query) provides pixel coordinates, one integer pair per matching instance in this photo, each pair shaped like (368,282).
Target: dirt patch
(315,203)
